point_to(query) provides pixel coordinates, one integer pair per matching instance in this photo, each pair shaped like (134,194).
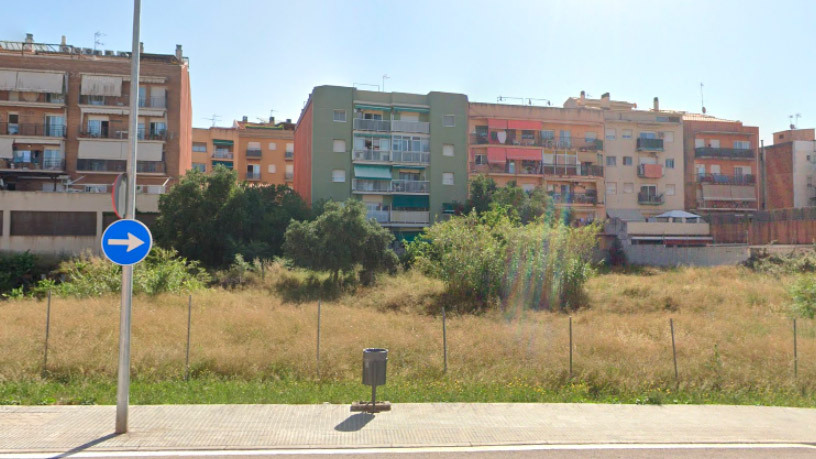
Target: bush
(794,263)
(803,292)
(493,258)
(162,271)
(16,270)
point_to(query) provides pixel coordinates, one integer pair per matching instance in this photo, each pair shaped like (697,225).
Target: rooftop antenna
(385,77)
(702,101)
(505,98)
(530,101)
(97,39)
(214,119)
(794,120)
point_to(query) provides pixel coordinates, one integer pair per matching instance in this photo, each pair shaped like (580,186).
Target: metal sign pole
(123,384)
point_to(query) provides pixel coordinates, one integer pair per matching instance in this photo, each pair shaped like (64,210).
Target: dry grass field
(732,329)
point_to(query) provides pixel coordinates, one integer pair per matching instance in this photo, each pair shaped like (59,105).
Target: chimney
(179,54)
(245,119)
(271,120)
(656,105)
(605,100)
(288,120)
(141,47)
(62,41)
(29,38)
(583,94)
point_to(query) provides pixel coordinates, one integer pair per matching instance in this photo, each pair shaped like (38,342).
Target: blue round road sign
(126,242)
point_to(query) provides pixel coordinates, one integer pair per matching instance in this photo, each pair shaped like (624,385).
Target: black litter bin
(374,363)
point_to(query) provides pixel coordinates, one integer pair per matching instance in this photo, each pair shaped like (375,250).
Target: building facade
(721,165)
(558,149)
(261,153)
(790,170)
(403,155)
(643,156)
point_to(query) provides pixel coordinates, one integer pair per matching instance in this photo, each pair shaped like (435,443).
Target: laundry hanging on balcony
(372,172)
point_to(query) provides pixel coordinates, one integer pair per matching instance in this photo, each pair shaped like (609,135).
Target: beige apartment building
(64,129)
(261,153)
(643,169)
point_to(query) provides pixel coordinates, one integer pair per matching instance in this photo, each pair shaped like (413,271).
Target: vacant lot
(734,344)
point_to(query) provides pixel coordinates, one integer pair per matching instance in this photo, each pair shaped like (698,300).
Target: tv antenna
(702,101)
(214,119)
(384,77)
(97,39)
(794,120)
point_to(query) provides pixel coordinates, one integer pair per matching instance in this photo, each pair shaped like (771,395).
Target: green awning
(226,143)
(410,167)
(407,237)
(372,172)
(399,200)
(226,164)
(410,109)
(372,107)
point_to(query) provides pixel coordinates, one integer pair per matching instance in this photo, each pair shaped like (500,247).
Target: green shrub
(794,263)
(16,270)
(803,292)
(162,271)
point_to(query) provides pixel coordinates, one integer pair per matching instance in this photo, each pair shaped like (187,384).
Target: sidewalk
(214,427)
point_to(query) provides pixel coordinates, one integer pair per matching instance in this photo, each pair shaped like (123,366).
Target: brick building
(790,170)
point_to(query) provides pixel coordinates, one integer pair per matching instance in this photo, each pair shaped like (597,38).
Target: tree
(339,240)
(482,189)
(212,218)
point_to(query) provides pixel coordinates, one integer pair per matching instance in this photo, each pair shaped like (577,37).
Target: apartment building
(64,128)
(643,154)
(721,165)
(260,152)
(559,149)
(403,155)
(790,170)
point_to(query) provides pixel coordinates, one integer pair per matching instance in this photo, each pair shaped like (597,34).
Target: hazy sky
(756,59)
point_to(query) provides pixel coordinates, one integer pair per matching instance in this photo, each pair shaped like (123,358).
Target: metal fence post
(318,339)
(795,354)
(189,317)
(570,347)
(47,333)
(674,351)
(444,342)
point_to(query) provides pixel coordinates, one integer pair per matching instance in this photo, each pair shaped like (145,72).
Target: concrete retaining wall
(659,255)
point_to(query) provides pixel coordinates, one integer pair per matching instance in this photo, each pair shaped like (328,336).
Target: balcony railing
(711,152)
(38,98)
(253,153)
(32,129)
(27,164)
(574,198)
(418,127)
(722,179)
(417,157)
(361,124)
(648,199)
(289,155)
(592,170)
(118,165)
(400,217)
(289,175)
(105,101)
(371,155)
(540,169)
(410,186)
(222,154)
(121,133)
(153,102)
(393,186)
(552,143)
(371,186)
(644,144)
(253,175)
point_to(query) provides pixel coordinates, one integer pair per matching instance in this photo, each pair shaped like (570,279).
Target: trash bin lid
(374,353)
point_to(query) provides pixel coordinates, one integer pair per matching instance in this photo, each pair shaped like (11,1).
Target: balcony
(32,129)
(411,157)
(392,186)
(417,127)
(117,165)
(289,155)
(121,133)
(222,154)
(592,170)
(289,175)
(25,164)
(410,186)
(104,101)
(153,102)
(721,179)
(382,156)
(512,138)
(650,171)
(644,144)
(253,175)
(723,153)
(575,198)
(253,153)
(361,124)
(32,98)
(400,217)
(370,186)
(648,199)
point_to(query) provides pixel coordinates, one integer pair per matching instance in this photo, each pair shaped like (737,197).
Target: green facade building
(403,155)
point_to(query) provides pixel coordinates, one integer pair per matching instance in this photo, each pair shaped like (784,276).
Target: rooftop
(30,47)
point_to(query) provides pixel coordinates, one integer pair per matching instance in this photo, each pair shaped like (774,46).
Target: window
(447,178)
(627,160)
(611,161)
(339,116)
(700,169)
(271,169)
(590,136)
(408,143)
(54,126)
(647,135)
(480,159)
(715,143)
(95,128)
(668,136)
(611,188)
(290,147)
(142,96)
(200,167)
(669,190)
(339,146)
(715,168)
(628,188)
(338,175)
(55,98)
(52,159)
(611,134)
(627,134)
(447,149)
(742,145)
(253,171)
(200,147)
(699,143)
(96,100)
(13,126)
(273,146)
(158,128)
(742,170)
(449,121)
(547,135)
(669,163)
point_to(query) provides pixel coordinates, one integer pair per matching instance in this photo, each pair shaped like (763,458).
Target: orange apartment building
(721,170)
(560,149)
(261,153)
(790,170)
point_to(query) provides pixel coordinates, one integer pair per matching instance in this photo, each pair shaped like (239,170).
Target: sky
(250,57)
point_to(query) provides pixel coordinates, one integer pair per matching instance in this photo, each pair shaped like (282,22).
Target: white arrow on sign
(131,242)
